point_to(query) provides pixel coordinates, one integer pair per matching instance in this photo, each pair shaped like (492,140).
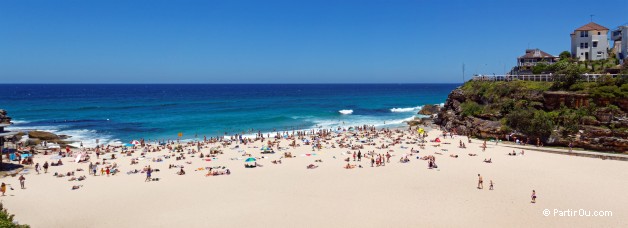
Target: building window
(584,33)
(599,54)
(581,45)
(599,33)
(594,43)
(586,45)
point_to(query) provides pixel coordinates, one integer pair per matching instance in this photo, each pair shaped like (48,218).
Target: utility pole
(462,72)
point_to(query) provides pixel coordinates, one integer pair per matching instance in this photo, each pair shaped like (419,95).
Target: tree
(564,55)
(569,75)
(539,68)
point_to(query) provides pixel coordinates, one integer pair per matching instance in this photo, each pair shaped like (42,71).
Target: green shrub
(6,219)
(609,91)
(470,108)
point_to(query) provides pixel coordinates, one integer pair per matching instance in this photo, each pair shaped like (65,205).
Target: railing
(540,77)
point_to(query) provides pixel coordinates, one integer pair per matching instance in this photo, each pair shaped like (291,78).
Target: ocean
(119,113)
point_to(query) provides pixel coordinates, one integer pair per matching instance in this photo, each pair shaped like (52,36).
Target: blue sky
(232,41)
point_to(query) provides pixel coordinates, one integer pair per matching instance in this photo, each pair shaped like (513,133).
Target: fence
(540,77)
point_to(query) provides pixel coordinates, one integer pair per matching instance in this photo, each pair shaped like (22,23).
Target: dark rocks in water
(64,136)
(429,110)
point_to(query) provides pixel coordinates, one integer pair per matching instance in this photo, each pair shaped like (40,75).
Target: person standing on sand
(95,169)
(37,168)
(45,167)
(490,187)
(570,146)
(3,188)
(480,182)
(359,156)
(22,179)
(148,174)
(372,161)
(354,155)
(108,171)
(533,196)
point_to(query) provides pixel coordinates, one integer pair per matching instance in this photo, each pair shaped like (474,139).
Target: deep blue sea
(125,112)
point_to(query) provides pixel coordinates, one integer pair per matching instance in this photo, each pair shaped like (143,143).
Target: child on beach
(148,172)
(3,188)
(480,182)
(22,179)
(533,197)
(490,187)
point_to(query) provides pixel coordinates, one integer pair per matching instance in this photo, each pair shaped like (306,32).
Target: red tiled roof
(536,53)
(591,26)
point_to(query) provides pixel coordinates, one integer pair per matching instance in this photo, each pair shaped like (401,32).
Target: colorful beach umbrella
(135,142)
(250,160)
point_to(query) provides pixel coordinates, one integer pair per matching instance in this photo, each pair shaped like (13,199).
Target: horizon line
(246,83)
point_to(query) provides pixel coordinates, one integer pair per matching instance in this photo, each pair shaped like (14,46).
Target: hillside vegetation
(591,114)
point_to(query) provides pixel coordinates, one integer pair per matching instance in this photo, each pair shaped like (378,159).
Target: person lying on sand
(473,155)
(488,160)
(181,172)
(349,166)
(453,155)
(75,187)
(312,166)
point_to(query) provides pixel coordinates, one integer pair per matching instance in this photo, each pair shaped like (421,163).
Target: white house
(620,44)
(590,42)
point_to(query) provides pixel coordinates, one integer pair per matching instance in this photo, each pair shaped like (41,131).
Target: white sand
(289,195)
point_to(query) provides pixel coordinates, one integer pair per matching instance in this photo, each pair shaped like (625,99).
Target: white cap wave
(413,109)
(346,111)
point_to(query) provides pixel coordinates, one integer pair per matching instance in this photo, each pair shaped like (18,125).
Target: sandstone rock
(4,119)
(42,135)
(429,110)
(596,133)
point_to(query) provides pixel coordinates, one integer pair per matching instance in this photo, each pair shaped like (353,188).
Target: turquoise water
(126,112)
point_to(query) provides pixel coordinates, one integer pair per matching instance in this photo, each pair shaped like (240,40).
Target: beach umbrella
(135,142)
(250,160)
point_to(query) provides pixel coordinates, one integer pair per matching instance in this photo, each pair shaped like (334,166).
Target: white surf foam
(88,137)
(346,111)
(18,122)
(413,109)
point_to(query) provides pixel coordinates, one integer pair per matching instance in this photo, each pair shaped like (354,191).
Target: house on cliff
(590,42)
(620,44)
(533,57)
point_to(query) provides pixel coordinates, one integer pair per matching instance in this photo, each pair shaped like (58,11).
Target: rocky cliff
(4,119)
(531,110)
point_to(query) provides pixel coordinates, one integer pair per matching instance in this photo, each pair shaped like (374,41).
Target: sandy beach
(290,195)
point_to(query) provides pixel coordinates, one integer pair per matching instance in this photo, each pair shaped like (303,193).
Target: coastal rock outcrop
(4,119)
(42,135)
(429,110)
(484,109)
